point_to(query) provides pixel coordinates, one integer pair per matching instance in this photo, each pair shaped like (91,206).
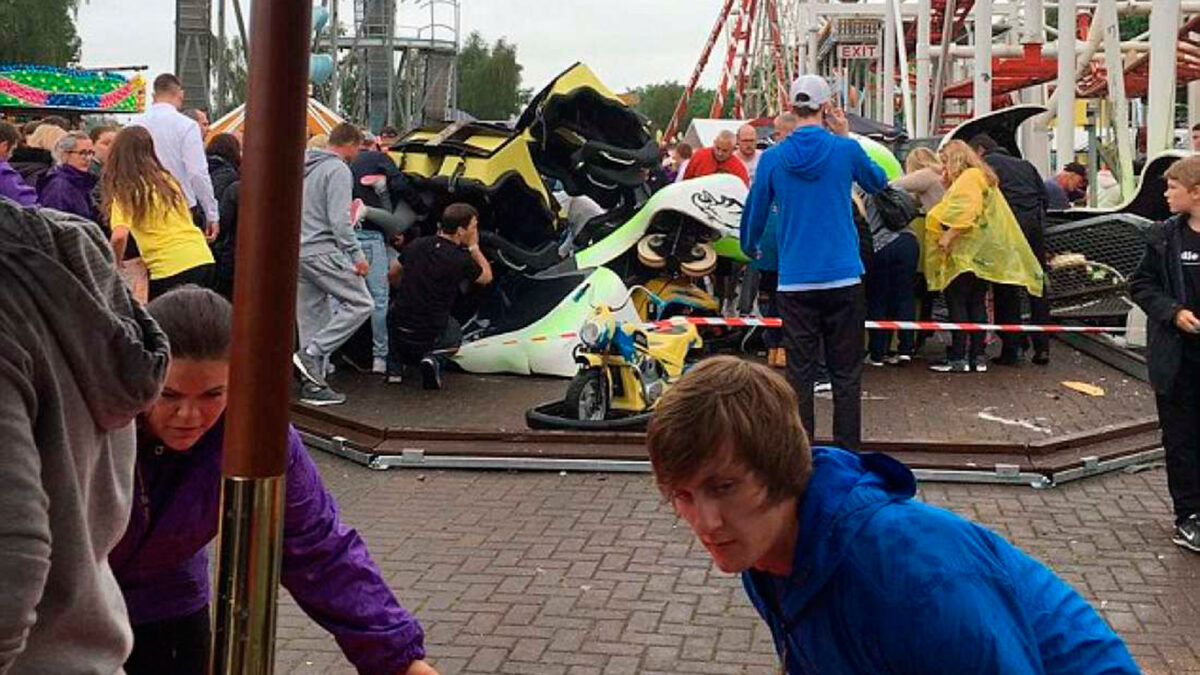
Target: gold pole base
(248,567)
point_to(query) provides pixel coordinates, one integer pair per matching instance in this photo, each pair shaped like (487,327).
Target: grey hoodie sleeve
(24,508)
(339,192)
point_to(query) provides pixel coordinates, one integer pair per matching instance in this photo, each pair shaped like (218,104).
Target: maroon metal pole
(255,456)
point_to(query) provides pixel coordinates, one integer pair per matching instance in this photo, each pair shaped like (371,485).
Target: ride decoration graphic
(34,86)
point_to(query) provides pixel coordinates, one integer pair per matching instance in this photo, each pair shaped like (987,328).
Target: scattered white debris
(1024,424)
(562,473)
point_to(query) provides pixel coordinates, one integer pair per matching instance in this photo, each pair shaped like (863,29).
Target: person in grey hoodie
(333,267)
(79,359)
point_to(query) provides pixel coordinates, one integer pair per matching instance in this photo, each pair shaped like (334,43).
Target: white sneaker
(379,366)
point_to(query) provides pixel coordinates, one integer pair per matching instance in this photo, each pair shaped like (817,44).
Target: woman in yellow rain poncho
(971,238)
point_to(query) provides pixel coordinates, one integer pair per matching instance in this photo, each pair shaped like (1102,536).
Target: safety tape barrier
(881,325)
(897,325)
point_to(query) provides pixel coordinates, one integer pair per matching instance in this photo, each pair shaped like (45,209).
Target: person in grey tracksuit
(332,299)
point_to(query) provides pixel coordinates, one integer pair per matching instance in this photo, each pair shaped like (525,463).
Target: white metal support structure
(983,57)
(1193,103)
(1035,139)
(1164,27)
(889,69)
(924,74)
(1064,133)
(905,89)
(1116,93)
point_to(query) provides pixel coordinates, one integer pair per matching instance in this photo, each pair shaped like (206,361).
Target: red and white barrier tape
(897,325)
(882,325)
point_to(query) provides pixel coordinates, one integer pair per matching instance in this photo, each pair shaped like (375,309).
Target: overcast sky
(626,42)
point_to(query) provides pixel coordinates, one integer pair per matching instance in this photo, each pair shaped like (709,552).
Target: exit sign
(857,52)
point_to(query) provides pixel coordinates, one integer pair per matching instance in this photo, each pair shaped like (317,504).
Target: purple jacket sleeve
(327,569)
(13,187)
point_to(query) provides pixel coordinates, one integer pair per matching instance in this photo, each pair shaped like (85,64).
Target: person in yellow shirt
(972,238)
(142,198)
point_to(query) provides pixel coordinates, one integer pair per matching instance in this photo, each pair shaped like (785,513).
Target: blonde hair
(957,157)
(45,136)
(1186,172)
(921,158)
(318,142)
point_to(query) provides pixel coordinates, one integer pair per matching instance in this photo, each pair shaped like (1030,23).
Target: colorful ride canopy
(85,91)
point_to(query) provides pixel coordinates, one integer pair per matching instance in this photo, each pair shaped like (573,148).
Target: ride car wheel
(587,396)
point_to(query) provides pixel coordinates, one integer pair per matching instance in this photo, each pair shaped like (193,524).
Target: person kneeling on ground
(1166,286)
(433,272)
(161,563)
(846,568)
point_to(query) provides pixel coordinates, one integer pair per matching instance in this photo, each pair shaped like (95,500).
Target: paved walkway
(585,573)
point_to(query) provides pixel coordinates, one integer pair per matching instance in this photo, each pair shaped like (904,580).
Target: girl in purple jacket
(162,564)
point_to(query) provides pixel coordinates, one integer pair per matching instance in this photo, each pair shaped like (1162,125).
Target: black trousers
(1179,416)
(404,350)
(835,317)
(1008,304)
(966,298)
(174,647)
(201,275)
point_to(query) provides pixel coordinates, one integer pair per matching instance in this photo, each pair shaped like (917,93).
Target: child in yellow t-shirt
(143,198)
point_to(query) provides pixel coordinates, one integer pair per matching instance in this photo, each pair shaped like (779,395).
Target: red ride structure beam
(781,79)
(718,105)
(682,106)
(739,101)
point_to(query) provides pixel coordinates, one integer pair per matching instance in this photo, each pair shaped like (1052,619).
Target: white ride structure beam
(889,69)
(924,68)
(983,57)
(1064,133)
(905,88)
(1160,125)
(1116,94)
(1035,138)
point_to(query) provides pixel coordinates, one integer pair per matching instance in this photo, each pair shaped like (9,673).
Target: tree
(234,66)
(489,79)
(658,101)
(39,32)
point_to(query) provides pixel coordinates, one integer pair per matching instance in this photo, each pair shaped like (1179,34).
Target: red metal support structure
(718,106)
(739,110)
(682,106)
(781,76)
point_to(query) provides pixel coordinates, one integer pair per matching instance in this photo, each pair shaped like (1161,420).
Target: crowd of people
(113,389)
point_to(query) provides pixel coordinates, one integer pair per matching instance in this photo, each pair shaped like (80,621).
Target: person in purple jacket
(69,186)
(161,563)
(12,186)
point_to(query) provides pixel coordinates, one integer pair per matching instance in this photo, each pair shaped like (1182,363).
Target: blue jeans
(890,293)
(376,250)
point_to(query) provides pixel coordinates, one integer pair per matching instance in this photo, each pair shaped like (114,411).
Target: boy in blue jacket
(849,572)
(821,299)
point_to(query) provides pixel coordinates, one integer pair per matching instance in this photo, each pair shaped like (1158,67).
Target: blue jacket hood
(846,490)
(805,151)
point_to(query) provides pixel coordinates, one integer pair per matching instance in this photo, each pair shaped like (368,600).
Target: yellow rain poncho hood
(991,244)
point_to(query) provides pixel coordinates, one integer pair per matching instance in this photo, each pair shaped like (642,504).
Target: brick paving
(585,573)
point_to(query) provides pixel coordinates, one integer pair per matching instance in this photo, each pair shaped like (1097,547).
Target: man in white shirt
(179,147)
(747,148)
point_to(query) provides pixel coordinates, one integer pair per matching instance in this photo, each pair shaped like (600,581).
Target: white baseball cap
(809,91)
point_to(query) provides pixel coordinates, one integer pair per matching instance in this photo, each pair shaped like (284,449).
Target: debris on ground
(1084,388)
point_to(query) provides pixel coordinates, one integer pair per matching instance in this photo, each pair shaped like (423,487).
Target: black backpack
(897,208)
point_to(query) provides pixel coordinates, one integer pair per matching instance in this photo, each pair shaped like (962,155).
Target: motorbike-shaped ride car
(624,370)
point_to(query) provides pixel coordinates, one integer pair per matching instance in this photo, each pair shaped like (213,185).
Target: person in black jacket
(1166,286)
(1025,192)
(224,153)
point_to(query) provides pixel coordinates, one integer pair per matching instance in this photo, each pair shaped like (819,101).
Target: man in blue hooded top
(849,572)
(808,176)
